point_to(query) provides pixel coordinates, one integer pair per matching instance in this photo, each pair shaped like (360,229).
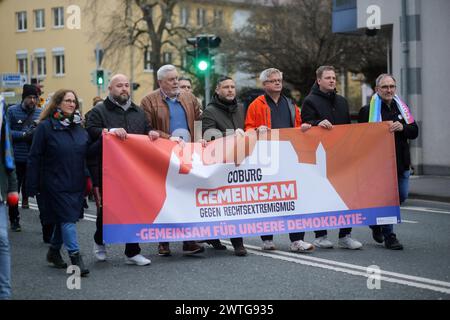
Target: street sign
(10,94)
(12,80)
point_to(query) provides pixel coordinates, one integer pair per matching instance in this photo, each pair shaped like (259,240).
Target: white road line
(87,216)
(423,209)
(409,221)
(419,282)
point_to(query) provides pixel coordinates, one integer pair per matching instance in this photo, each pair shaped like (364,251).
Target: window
(41,66)
(21,21)
(58,17)
(218,17)
(22,66)
(147,60)
(184,62)
(184,16)
(39,19)
(167,57)
(59,61)
(41,62)
(201,17)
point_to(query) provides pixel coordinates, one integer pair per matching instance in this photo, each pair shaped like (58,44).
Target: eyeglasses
(388,87)
(70,101)
(274,81)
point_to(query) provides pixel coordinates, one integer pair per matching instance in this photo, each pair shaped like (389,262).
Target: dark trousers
(292,236)
(47,228)
(131,249)
(342,232)
(21,172)
(237,242)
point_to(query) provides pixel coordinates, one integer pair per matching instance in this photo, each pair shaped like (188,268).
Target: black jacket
(319,106)
(107,115)
(222,116)
(410,132)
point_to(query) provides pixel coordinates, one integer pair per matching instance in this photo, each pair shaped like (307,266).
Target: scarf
(6,137)
(67,120)
(375,109)
(124,106)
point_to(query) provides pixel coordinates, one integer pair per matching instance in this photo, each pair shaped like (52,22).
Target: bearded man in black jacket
(323,107)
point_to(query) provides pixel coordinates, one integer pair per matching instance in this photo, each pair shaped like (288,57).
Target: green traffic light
(100,77)
(202,65)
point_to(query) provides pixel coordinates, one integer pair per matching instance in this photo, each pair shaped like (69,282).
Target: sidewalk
(434,188)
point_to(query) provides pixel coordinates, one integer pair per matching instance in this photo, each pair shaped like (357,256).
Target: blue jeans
(403,189)
(403,185)
(5,258)
(65,232)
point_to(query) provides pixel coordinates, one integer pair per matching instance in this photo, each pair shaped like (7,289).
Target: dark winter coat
(56,170)
(8,180)
(410,131)
(319,106)
(17,115)
(107,115)
(222,115)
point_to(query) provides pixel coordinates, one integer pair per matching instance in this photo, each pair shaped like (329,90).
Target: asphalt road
(421,271)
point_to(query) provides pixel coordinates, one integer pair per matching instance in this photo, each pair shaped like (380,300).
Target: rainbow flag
(375,109)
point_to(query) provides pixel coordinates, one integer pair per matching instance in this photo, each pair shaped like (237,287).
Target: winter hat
(29,90)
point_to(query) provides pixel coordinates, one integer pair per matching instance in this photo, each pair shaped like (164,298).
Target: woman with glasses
(56,174)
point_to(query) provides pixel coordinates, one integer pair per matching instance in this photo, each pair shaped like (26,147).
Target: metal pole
(130,16)
(207,86)
(97,66)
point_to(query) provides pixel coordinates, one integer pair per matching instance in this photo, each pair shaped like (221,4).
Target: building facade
(418,59)
(53,42)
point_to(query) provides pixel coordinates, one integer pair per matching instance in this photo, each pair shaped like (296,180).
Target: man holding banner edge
(387,106)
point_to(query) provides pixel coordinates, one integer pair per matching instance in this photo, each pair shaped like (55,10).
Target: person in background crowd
(185,84)
(55,174)
(323,107)
(8,188)
(23,118)
(273,110)
(387,106)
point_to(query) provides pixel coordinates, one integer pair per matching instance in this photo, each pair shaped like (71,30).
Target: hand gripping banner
(283,181)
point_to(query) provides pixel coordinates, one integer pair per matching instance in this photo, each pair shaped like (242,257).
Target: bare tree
(140,24)
(297,38)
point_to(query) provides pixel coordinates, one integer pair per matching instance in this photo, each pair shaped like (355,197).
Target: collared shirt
(280,115)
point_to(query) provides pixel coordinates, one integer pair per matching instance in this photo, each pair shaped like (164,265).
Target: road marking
(87,216)
(412,281)
(423,209)
(409,221)
(399,278)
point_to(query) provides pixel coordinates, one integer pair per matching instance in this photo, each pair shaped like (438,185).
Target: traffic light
(201,52)
(135,86)
(100,77)
(203,59)
(214,42)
